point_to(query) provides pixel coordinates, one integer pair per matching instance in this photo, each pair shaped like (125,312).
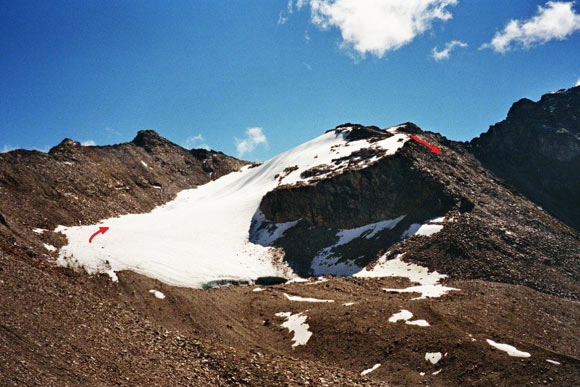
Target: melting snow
(428,228)
(296,323)
(49,247)
(429,285)
(405,315)
(212,241)
(436,372)
(113,275)
(512,351)
(426,291)
(398,268)
(368,371)
(38,230)
(157,294)
(297,280)
(303,299)
(368,231)
(420,323)
(553,362)
(433,357)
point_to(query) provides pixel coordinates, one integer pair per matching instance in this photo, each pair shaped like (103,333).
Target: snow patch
(368,371)
(144,164)
(296,323)
(398,268)
(429,285)
(257,290)
(113,275)
(297,280)
(49,247)
(305,299)
(428,228)
(433,357)
(348,303)
(510,350)
(405,315)
(38,230)
(157,294)
(370,230)
(420,323)
(553,362)
(426,291)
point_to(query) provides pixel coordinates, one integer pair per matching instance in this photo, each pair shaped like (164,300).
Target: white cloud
(578,83)
(306,36)
(254,137)
(282,18)
(195,142)
(307,66)
(556,21)
(88,143)
(7,148)
(445,53)
(378,26)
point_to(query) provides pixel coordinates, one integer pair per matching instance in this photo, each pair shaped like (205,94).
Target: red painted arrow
(433,148)
(102,230)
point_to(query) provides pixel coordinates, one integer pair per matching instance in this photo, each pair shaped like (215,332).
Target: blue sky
(207,71)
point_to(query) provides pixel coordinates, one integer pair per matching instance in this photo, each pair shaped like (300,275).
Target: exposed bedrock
(386,190)
(392,188)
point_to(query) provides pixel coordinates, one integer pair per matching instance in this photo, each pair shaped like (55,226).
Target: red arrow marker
(433,148)
(102,230)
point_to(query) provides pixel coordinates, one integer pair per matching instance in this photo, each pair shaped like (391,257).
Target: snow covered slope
(202,235)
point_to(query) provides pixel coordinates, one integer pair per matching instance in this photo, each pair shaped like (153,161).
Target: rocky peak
(355,132)
(149,139)
(65,145)
(537,150)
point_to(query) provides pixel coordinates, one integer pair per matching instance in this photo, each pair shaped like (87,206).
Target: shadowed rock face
(537,150)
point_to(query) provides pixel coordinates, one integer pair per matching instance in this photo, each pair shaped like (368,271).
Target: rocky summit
(366,256)
(536,149)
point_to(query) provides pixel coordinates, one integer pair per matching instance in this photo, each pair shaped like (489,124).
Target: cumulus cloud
(555,21)
(88,143)
(195,142)
(445,53)
(377,26)
(254,137)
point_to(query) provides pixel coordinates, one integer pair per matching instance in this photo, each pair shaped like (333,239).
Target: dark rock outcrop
(537,150)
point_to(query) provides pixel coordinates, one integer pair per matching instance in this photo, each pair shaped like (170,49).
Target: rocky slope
(380,208)
(537,150)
